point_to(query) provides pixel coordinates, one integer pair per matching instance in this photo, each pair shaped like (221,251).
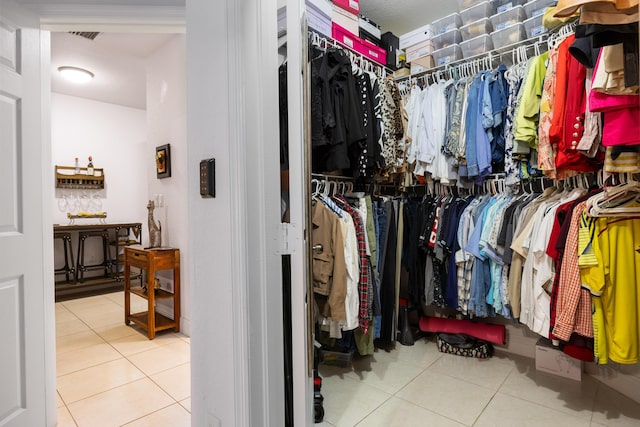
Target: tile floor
(419,386)
(112,375)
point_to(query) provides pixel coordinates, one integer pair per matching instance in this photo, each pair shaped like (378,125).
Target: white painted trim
(302,382)
(129,18)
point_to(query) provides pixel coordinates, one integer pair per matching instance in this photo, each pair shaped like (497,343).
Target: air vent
(85,34)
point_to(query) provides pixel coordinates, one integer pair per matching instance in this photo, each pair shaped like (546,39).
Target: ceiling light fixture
(76,74)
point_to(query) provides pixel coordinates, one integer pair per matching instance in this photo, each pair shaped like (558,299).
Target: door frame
(256,384)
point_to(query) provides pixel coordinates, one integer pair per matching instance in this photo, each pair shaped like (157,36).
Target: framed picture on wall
(163,161)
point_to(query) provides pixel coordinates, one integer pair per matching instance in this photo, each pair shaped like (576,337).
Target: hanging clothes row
(356,117)
(354,273)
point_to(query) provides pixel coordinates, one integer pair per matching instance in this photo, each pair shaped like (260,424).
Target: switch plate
(208,178)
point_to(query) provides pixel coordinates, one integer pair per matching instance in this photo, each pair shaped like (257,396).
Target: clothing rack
(356,58)
(516,53)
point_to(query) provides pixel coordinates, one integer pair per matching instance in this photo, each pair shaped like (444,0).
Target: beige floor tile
(59,307)
(59,401)
(447,396)
(114,332)
(77,341)
(568,396)
(97,379)
(186,403)
(422,353)
(347,402)
(614,409)
(100,319)
(489,373)
(64,315)
(85,358)
(508,411)
(120,405)
(171,416)
(162,358)
(91,310)
(400,413)
(70,327)
(133,344)
(64,418)
(324,424)
(116,297)
(388,376)
(175,381)
(83,303)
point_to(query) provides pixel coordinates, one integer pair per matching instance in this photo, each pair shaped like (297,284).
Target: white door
(24,361)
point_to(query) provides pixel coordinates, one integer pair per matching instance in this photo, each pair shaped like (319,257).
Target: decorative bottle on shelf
(90,166)
(77,171)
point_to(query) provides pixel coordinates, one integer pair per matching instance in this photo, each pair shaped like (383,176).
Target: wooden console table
(152,260)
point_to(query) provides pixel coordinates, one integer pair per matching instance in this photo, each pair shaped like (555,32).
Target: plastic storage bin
(476,46)
(509,35)
(447,23)
(533,26)
(447,54)
(465,4)
(476,29)
(508,18)
(446,39)
(537,7)
(503,5)
(481,10)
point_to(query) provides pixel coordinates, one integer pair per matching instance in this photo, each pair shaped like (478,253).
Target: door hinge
(288,238)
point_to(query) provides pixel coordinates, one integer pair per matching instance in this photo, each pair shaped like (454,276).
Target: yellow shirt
(616,281)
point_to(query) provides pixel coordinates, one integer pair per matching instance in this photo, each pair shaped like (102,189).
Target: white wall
(166,124)
(116,138)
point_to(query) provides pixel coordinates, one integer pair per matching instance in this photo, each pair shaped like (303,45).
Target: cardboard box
(422,64)
(553,361)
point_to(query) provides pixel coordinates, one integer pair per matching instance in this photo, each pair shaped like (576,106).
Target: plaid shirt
(573,306)
(363,283)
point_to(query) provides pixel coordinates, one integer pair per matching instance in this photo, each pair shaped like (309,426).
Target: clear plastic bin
(508,18)
(476,29)
(537,7)
(481,10)
(446,55)
(446,39)
(533,26)
(465,4)
(509,35)
(447,23)
(476,46)
(504,5)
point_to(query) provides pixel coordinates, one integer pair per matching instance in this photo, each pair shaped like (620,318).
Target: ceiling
(118,60)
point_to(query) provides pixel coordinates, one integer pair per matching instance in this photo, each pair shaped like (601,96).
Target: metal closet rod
(487,60)
(356,57)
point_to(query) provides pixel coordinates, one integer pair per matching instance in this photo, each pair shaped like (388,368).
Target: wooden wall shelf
(67,178)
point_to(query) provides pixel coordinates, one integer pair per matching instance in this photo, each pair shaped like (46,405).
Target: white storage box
(323,6)
(446,39)
(537,7)
(481,10)
(476,29)
(476,46)
(553,361)
(533,26)
(447,23)
(447,54)
(426,32)
(419,50)
(369,28)
(346,20)
(502,5)
(509,35)
(508,18)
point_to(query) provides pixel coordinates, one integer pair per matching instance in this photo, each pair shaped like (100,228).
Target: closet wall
(166,124)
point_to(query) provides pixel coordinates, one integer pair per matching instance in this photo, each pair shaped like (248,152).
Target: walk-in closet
(471,188)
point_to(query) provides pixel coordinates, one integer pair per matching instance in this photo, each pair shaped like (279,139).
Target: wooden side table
(152,260)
